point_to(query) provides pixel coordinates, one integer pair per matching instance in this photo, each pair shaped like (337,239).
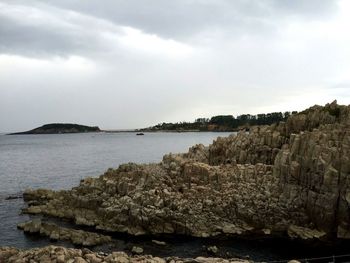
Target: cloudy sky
(131,63)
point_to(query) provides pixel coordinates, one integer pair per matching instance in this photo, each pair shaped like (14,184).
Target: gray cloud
(128,64)
(183,20)
(44,30)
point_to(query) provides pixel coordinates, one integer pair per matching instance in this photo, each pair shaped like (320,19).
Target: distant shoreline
(60,128)
(119,131)
(160,131)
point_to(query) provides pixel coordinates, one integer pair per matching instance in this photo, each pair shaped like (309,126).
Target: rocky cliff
(287,179)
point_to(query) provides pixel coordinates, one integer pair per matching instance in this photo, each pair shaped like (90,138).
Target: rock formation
(287,179)
(55,232)
(70,255)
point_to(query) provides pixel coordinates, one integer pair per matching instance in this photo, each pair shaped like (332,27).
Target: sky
(123,64)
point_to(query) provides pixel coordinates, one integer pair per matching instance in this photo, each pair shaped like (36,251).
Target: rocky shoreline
(70,255)
(285,180)
(55,232)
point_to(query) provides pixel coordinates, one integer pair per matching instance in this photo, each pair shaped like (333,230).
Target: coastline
(238,186)
(122,131)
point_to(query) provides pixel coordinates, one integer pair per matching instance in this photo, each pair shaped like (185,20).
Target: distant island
(57,128)
(223,123)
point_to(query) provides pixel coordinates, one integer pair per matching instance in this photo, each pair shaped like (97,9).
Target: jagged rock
(54,232)
(160,243)
(265,182)
(198,153)
(61,254)
(202,201)
(137,250)
(260,145)
(92,258)
(314,175)
(213,250)
(304,233)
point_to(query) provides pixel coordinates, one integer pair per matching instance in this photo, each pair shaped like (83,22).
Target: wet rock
(304,233)
(12,197)
(54,232)
(137,250)
(160,243)
(212,250)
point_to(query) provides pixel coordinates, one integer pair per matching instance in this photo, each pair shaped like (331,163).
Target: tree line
(225,122)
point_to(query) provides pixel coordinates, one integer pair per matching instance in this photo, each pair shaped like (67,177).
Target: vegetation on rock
(55,128)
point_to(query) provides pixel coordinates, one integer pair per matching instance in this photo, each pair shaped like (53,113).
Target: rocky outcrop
(176,197)
(55,232)
(70,255)
(262,143)
(290,179)
(314,174)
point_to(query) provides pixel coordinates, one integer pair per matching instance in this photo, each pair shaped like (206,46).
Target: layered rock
(262,143)
(176,197)
(314,174)
(70,255)
(286,179)
(55,232)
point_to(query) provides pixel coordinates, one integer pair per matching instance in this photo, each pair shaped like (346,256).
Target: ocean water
(61,161)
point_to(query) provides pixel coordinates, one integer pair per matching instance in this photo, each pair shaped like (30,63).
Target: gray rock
(137,250)
(77,237)
(212,250)
(288,179)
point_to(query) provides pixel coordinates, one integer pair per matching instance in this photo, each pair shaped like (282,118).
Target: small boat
(140,133)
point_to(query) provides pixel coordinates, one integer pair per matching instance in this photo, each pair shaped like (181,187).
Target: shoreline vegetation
(219,123)
(222,123)
(289,180)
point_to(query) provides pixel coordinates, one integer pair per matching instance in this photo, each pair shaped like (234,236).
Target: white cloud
(153,44)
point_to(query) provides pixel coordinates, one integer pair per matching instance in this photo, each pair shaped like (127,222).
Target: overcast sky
(130,63)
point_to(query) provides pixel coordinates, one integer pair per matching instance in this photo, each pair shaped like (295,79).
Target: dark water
(61,161)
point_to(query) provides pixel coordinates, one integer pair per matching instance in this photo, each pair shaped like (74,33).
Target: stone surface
(160,243)
(288,179)
(54,232)
(213,250)
(60,254)
(137,250)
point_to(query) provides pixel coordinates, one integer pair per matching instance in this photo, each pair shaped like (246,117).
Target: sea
(60,161)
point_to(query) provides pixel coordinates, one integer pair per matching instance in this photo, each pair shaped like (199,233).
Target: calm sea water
(61,161)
